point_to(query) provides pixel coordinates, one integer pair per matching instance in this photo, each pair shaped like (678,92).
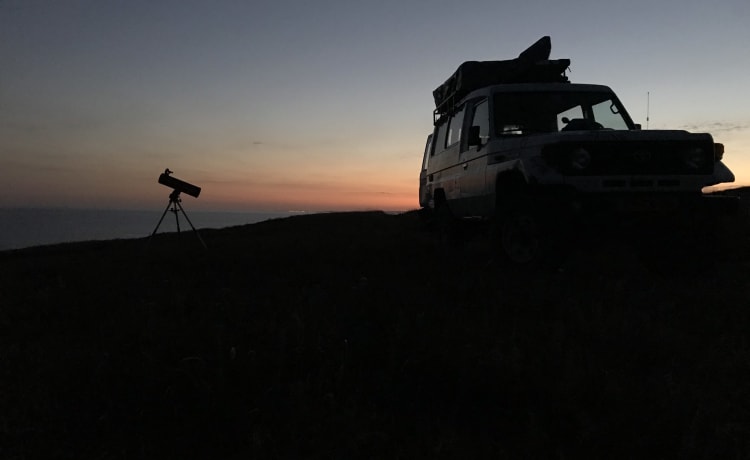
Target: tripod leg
(192,226)
(176,216)
(162,218)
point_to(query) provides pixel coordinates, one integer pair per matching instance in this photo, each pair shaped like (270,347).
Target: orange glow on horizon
(311,197)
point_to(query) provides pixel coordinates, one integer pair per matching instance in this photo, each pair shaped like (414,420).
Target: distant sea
(20,228)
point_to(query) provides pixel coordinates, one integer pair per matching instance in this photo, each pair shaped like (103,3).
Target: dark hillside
(357,335)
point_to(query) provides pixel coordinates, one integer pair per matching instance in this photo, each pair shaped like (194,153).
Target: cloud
(372,192)
(716,127)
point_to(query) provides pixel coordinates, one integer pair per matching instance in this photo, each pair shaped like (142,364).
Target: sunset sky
(299,105)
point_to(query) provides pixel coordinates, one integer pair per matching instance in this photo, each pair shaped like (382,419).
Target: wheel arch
(508,183)
(438,195)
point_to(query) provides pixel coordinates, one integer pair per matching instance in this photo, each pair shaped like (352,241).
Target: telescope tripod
(174,204)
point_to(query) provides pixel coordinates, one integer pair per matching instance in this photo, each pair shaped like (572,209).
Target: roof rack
(531,66)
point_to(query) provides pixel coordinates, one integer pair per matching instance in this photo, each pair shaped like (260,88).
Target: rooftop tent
(531,66)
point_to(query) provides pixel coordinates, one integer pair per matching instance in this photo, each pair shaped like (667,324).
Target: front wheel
(533,231)
(521,238)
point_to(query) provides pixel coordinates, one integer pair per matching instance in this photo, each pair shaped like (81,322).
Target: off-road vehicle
(516,143)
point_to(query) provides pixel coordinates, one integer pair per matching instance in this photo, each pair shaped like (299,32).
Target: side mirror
(637,127)
(474,138)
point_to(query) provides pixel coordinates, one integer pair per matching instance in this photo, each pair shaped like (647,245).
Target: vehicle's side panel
(425,187)
(444,170)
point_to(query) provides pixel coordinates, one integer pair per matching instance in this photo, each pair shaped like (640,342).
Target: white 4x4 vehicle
(515,142)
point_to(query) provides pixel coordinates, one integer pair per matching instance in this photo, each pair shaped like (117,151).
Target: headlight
(580,159)
(694,158)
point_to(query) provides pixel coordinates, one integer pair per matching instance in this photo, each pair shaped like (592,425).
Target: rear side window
(428,152)
(439,140)
(454,128)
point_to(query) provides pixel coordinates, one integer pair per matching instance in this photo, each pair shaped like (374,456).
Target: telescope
(178,185)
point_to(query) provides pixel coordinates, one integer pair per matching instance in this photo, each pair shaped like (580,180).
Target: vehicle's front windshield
(547,112)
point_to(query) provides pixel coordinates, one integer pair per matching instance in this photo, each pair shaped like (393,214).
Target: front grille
(632,158)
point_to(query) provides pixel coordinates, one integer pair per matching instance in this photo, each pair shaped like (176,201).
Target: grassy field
(358,335)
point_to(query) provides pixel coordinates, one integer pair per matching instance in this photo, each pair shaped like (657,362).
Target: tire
(445,224)
(521,239)
(533,232)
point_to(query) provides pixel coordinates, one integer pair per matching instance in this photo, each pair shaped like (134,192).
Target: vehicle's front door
(472,158)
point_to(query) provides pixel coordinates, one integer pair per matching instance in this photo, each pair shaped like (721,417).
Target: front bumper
(659,204)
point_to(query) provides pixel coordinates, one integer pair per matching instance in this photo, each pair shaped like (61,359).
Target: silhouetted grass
(358,335)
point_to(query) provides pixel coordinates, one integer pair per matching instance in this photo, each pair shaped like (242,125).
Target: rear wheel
(521,238)
(445,222)
(533,231)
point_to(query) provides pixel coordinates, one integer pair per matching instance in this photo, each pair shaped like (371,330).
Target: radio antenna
(648,108)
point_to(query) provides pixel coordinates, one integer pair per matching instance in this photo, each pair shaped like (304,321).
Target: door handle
(466,165)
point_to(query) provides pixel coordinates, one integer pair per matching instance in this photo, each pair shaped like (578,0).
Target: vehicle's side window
(439,141)
(607,114)
(481,118)
(428,152)
(454,127)
(571,114)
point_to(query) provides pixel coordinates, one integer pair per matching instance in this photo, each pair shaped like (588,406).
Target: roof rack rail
(531,66)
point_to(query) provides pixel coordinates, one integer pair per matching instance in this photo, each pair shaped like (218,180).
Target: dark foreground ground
(358,335)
